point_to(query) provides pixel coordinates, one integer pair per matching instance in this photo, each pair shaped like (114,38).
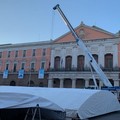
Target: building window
(95,57)
(34,51)
(15,67)
(32,66)
(108,61)
(80,62)
(43,65)
(9,53)
(68,63)
(12,83)
(57,63)
(24,53)
(31,83)
(16,53)
(44,52)
(23,66)
(0,54)
(7,66)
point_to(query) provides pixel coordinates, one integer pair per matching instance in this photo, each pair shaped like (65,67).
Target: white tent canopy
(82,102)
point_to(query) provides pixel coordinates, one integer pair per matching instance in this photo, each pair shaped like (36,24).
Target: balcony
(86,69)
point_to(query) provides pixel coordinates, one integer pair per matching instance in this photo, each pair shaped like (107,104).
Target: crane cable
(52,25)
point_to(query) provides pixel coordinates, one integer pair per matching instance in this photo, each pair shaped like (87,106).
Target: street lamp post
(29,78)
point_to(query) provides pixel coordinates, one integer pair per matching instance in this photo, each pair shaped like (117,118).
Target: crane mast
(88,54)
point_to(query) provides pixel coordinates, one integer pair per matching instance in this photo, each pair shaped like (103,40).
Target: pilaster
(73,83)
(87,83)
(100,84)
(50,83)
(116,82)
(61,83)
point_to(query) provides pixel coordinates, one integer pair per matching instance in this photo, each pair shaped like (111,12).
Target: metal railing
(115,69)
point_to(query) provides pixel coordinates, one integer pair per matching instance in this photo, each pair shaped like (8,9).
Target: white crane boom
(88,54)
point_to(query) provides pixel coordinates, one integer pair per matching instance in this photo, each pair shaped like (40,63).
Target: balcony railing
(83,69)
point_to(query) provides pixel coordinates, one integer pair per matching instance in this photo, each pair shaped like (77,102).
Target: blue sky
(24,21)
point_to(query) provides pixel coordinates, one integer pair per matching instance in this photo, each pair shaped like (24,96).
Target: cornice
(29,44)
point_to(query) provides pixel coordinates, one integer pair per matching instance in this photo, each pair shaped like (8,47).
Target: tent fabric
(82,102)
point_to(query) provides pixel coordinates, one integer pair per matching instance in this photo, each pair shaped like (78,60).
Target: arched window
(95,57)
(41,84)
(31,83)
(57,63)
(80,62)
(68,63)
(108,61)
(12,83)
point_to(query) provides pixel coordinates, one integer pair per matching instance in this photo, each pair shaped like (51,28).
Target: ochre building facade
(29,57)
